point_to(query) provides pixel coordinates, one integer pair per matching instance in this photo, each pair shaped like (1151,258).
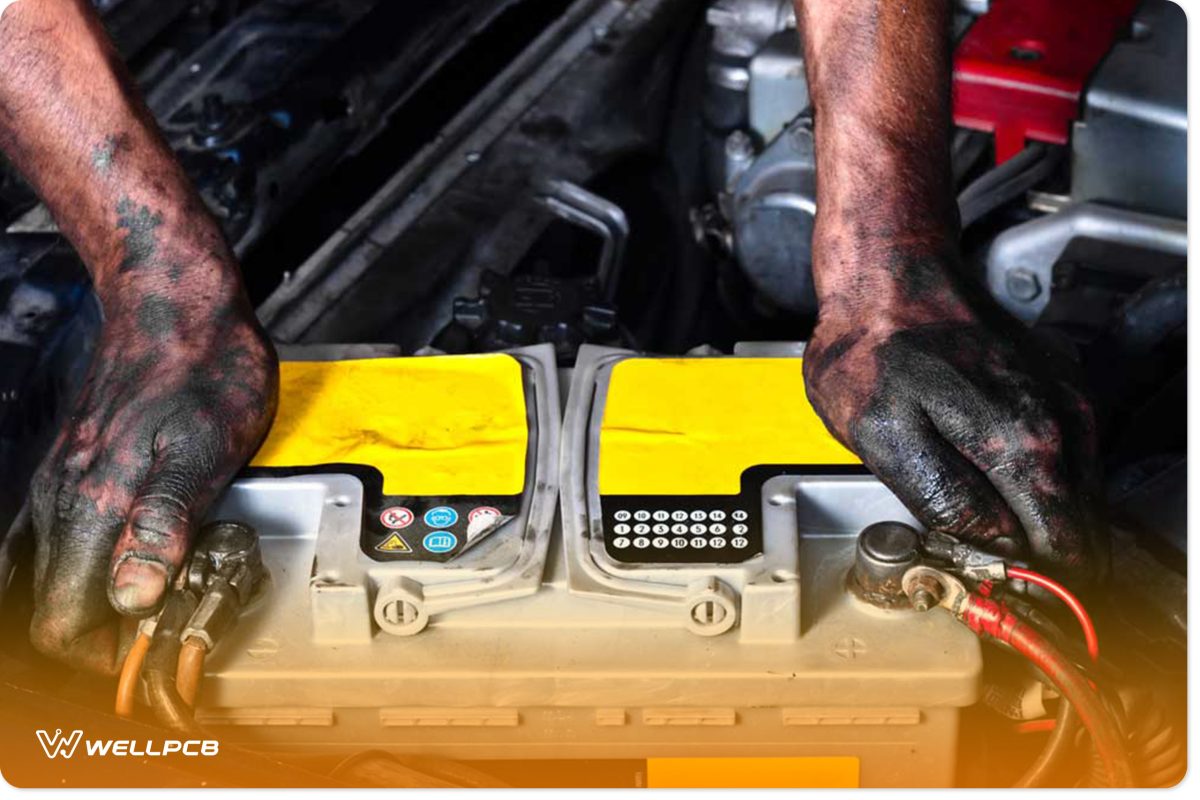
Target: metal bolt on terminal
(923,600)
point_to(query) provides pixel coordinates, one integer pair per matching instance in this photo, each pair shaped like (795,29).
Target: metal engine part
(755,54)
(762,163)
(885,552)
(1021,262)
(1130,147)
(520,310)
(778,90)
(773,204)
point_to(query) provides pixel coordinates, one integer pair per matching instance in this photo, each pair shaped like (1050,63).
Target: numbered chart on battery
(680,530)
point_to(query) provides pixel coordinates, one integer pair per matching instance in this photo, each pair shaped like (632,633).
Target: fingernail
(138,585)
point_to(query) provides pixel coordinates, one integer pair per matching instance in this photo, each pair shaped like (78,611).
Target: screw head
(739,145)
(1022,284)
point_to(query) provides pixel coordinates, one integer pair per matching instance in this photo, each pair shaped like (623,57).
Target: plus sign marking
(850,647)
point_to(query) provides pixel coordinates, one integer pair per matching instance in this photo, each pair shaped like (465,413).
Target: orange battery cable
(130,671)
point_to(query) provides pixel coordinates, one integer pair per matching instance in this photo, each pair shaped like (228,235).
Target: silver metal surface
(778,88)
(772,206)
(577,205)
(1020,262)
(1129,148)
(740,27)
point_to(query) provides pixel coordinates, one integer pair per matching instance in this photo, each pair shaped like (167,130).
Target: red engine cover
(1021,68)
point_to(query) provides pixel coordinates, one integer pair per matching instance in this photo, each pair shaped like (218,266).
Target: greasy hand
(973,426)
(177,398)
(949,402)
(182,384)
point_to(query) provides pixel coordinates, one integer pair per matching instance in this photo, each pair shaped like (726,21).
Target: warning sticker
(440,542)
(483,519)
(394,543)
(441,517)
(483,511)
(396,518)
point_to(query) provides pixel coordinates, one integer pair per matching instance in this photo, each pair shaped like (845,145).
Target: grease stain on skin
(104,155)
(157,316)
(141,240)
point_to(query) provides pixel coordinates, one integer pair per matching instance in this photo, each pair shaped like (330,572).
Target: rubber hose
(986,616)
(1106,737)
(1158,749)
(1057,748)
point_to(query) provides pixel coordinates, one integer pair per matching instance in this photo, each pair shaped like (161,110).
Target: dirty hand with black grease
(977,428)
(182,386)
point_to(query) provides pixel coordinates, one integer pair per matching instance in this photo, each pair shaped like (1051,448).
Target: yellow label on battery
(692,425)
(437,425)
(826,772)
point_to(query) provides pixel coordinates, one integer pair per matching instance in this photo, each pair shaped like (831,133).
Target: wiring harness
(1131,740)
(167,659)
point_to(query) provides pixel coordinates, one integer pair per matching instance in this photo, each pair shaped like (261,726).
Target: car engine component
(1022,261)
(456,481)
(752,644)
(514,311)
(536,186)
(1020,69)
(1129,147)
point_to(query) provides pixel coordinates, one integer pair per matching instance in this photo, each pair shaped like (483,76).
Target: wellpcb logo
(58,745)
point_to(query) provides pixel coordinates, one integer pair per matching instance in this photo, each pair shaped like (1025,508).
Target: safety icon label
(441,517)
(396,518)
(440,541)
(393,544)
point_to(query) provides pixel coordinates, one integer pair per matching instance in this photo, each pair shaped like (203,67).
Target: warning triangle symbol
(394,544)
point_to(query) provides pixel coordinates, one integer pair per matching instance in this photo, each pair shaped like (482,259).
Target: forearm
(74,125)
(879,75)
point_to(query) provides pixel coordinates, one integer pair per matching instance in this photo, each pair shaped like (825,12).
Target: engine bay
(585,229)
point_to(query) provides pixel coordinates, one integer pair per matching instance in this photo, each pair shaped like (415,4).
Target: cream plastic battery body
(565,673)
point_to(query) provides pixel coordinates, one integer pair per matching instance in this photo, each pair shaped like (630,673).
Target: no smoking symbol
(396,517)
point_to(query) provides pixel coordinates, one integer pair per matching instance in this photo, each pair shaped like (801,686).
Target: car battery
(601,645)
(445,477)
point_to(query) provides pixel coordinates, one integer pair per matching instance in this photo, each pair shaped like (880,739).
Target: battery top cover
(433,426)
(693,426)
